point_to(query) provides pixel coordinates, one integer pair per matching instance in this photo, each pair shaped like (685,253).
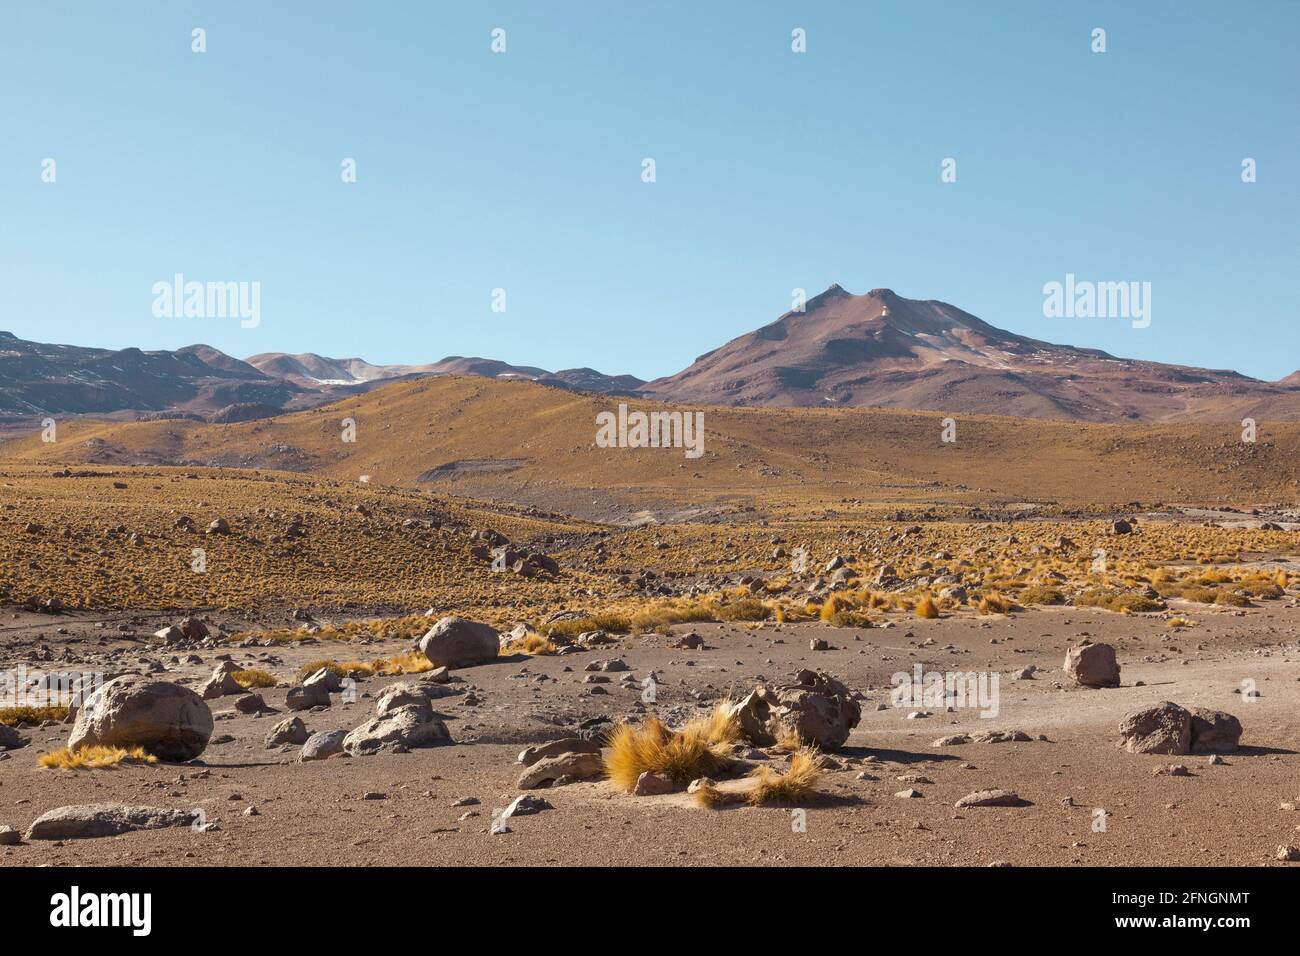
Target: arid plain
(326,596)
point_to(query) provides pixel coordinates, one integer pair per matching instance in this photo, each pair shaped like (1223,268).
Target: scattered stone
(222,683)
(651,784)
(569,745)
(1093,665)
(251,704)
(991,798)
(322,745)
(548,770)
(408,727)
(104,819)
(291,730)
(525,805)
(1165,728)
(817,707)
(306,696)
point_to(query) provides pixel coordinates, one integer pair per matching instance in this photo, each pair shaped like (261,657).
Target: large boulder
(323,745)
(10,739)
(555,748)
(816,707)
(402,694)
(578,766)
(291,730)
(1214,731)
(404,728)
(308,695)
(1093,665)
(167,720)
(104,819)
(222,682)
(457,642)
(1165,728)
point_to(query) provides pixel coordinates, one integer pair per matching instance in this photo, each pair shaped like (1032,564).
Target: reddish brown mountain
(881,349)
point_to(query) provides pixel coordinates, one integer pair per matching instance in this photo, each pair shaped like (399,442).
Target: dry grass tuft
(531,643)
(253,678)
(994,603)
(94,757)
(795,785)
(1041,594)
(927,608)
(697,750)
(13,716)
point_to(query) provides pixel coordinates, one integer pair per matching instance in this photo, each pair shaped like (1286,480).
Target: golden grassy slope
(110,540)
(796,458)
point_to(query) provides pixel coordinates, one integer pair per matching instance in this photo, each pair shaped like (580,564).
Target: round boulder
(457,642)
(1165,728)
(167,720)
(1093,665)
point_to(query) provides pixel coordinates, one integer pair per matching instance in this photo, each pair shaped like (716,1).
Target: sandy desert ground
(1200,602)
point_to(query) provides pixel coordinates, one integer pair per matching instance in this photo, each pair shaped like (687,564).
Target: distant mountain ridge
(883,350)
(878,349)
(36,378)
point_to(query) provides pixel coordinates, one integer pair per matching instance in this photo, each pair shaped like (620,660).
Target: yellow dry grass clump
(412,662)
(531,643)
(94,757)
(994,603)
(698,749)
(794,786)
(253,678)
(926,608)
(13,716)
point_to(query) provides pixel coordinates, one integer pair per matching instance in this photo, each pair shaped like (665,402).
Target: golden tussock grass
(94,757)
(531,643)
(1117,601)
(254,678)
(13,716)
(1041,594)
(926,608)
(412,662)
(795,785)
(697,750)
(994,603)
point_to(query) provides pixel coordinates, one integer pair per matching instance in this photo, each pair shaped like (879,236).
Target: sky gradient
(522,171)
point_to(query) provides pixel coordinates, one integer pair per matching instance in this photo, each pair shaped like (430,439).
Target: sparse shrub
(1041,594)
(994,603)
(531,643)
(795,785)
(1229,598)
(254,678)
(697,750)
(1120,602)
(13,716)
(748,609)
(926,608)
(94,757)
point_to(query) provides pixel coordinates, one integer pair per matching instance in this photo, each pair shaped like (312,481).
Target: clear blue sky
(522,171)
